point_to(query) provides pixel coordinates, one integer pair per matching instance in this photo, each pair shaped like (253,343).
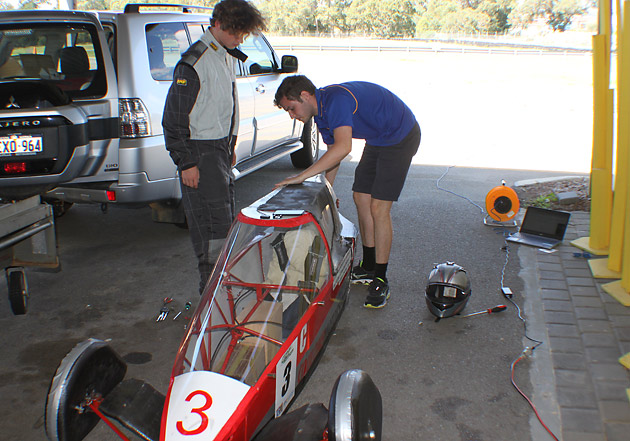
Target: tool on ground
(186,308)
(497,308)
(164,310)
(583,254)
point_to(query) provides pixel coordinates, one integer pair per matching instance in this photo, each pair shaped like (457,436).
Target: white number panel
(200,404)
(286,371)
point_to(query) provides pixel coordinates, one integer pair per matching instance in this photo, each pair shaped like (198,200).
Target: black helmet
(448,289)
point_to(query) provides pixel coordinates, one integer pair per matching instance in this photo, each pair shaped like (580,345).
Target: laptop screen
(545,223)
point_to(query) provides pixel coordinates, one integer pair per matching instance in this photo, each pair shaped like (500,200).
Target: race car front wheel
(89,372)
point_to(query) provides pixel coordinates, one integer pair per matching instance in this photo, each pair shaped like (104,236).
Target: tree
(498,11)
(6,6)
(331,15)
(560,13)
(557,13)
(384,18)
(452,16)
(92,5)
(289,16)
(30,4)
(433,18)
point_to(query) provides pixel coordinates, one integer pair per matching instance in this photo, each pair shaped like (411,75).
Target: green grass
(544,200)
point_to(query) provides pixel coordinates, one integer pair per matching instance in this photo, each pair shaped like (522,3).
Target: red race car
(275,296)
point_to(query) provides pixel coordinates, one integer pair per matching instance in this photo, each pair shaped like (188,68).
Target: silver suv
(81,101)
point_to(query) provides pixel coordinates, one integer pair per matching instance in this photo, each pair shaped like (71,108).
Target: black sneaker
(361,275)
(378,294)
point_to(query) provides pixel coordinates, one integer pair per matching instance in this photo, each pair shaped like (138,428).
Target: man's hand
(233,149)
(297,179)
(190,177)
(330,160)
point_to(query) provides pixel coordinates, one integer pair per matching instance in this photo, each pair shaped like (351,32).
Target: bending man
(364,111)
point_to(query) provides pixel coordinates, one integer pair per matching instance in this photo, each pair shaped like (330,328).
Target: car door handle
(260,88)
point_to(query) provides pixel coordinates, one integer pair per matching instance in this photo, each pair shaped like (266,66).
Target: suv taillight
(134,118)
(15,167)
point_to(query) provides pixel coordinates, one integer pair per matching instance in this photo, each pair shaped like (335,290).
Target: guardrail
(435,49)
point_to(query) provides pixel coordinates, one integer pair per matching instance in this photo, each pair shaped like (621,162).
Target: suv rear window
(166,42)
(61,53)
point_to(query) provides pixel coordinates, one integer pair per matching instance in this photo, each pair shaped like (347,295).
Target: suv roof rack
(135,7)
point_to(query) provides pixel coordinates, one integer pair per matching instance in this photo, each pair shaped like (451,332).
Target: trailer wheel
(89,372)
(355,412)
(59,207)
(18,290)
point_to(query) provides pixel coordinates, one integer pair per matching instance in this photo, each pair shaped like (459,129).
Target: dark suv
(81,101)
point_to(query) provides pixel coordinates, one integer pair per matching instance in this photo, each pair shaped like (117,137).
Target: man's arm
(176,122)
(329,162)
(331,174)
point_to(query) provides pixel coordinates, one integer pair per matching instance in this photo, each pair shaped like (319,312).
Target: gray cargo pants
(210,207)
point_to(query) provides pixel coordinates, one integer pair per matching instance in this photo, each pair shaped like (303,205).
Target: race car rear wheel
(89,372)
(355,412)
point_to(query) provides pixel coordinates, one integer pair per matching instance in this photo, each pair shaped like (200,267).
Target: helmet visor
(446,295)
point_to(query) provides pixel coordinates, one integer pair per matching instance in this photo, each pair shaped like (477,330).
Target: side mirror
(289,64)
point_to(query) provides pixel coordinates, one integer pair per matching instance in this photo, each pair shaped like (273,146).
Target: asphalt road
(439,381)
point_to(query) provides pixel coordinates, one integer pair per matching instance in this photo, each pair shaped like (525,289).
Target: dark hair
(238,16)
(292,87)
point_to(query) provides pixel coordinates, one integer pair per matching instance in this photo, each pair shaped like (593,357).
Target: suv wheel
(307,155)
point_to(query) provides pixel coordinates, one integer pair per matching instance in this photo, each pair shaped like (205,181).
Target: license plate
(21,145)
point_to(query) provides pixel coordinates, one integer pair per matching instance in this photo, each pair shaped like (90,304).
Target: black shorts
(382,170)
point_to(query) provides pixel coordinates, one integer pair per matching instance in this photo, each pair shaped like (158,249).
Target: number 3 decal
(199,411)
(287,379)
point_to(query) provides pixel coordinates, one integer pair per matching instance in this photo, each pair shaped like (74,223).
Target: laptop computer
(541,228)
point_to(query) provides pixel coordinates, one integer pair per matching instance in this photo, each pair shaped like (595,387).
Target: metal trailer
(27,239)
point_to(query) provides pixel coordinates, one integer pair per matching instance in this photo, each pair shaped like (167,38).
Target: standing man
(200,125)
(364,111)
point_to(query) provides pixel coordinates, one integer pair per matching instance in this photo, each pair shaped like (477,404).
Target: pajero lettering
(9,124)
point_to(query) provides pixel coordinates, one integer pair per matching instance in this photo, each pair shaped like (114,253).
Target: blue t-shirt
(374,113)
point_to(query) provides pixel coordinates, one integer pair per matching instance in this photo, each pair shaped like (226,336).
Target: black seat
(74,61)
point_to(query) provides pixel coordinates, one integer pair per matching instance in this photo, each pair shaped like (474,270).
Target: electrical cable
(437,184)
(537,343)
(506,248)
(527,350)
(527,398)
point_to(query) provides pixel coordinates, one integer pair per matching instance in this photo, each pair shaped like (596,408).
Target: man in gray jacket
(200,125)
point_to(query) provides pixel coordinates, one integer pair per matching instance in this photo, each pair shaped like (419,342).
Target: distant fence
(460,49)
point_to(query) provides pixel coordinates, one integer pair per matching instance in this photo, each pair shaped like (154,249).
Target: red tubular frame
(94,407)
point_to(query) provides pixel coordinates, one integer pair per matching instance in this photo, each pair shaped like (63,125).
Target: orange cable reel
(502,203)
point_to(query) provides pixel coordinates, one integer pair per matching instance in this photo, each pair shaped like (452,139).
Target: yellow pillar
(623,132)
(601,169)
(619,258)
